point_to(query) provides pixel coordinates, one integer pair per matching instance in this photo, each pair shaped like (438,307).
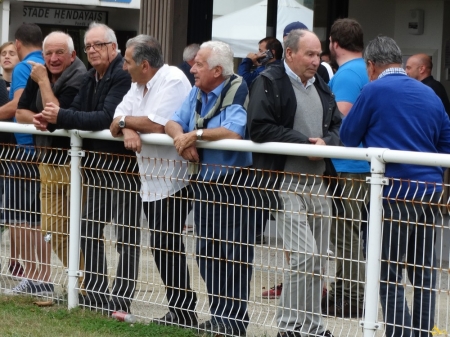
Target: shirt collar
(390,71)
(294,76)
(217,90)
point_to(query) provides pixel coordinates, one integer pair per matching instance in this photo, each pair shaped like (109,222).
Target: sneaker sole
(44,293)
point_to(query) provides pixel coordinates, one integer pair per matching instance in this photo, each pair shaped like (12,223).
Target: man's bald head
(419,66)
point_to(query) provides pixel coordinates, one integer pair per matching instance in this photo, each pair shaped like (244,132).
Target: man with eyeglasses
(110,171)
(58,81)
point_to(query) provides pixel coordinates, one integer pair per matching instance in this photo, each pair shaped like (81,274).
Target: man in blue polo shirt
(22,187)
(346,296)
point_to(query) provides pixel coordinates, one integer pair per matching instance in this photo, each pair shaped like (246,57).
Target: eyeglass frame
(95,45)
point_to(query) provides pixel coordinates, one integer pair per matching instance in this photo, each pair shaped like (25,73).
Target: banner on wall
(63,16)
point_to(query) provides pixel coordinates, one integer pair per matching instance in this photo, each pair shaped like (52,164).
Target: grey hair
(146,47)
(383,51)
(293,38)
(221,55)
(69,40)
(110,36)
(190,52)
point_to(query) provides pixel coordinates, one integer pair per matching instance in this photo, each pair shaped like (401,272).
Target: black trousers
(112,195)
(166,219)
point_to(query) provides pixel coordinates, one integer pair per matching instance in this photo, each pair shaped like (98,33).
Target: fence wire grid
(260,259)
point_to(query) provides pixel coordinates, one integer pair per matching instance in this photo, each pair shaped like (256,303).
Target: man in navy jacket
(113,189)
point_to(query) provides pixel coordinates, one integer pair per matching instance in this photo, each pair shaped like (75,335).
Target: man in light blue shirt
(216,109)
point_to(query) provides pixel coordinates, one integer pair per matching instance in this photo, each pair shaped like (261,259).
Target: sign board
(63,16)
(121,1)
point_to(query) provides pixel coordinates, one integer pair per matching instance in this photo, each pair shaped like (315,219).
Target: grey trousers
(304,224)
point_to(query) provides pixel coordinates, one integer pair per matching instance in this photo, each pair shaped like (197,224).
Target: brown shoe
(339,308)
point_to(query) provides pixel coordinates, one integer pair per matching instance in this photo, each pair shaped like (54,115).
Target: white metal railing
(377,157)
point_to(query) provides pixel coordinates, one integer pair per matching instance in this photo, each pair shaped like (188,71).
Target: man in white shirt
(158,90)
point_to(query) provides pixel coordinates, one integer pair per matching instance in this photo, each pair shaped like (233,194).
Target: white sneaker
(20,288)
(29,287)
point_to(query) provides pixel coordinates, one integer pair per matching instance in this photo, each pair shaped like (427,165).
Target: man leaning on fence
(157,91)
(290,103)
(214,110)
(58,82)
(109,171)
(389,113)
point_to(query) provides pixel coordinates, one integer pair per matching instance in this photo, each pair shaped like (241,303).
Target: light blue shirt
(346,85)
(233,118)
(20,76)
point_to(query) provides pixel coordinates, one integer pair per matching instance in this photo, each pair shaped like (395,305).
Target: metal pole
(75,216)
(370,323)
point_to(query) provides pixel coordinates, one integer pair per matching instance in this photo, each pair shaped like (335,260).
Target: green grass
(19,317)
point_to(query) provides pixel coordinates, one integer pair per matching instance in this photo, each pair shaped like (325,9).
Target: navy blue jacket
(94,106)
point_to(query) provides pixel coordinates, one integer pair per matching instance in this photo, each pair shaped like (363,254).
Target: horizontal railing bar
(386,155)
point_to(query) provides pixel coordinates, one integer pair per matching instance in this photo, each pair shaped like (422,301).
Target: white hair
(221,55)
(110,36)
(69,40)
(190,52)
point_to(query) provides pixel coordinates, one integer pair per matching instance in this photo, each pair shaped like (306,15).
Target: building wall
(369,14)
(391,18)
(118,18)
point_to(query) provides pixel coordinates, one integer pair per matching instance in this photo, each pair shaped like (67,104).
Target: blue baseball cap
(292,26)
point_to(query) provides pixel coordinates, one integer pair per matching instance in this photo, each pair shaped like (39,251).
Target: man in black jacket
(110,171)
(290,103)
(419,66)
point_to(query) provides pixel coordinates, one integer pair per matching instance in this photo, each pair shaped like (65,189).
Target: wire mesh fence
(251,252)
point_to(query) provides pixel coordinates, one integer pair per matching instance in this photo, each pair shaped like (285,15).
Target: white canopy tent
(243,29)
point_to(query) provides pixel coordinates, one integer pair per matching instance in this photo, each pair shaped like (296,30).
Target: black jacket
(439,89)
(94,106)
(271,112)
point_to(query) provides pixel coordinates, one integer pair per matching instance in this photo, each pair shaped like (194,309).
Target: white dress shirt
(163,172)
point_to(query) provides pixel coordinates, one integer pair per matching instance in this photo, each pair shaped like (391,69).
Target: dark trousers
(408,232)
(111,195)
(225,227)
(166,219)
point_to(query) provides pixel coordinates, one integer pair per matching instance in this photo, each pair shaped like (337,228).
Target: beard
(332,55)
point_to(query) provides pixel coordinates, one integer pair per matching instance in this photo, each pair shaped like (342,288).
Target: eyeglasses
(96,46)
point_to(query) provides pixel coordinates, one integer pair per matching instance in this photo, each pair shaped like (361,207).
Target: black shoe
(326,333)
(182,319)
(295,333)
(228,331)
(208,326)
(105,307)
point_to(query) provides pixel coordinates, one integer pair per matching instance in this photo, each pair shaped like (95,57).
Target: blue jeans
(408,232)
(225,228)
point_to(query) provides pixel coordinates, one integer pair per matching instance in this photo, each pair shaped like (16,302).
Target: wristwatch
(200,134)
(122,122)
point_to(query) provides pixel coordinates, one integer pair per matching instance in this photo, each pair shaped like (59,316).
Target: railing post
(373,262)
(75,218)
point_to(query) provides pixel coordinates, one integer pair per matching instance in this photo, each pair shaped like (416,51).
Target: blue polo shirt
(346,85)
(20,76)
(233,118)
